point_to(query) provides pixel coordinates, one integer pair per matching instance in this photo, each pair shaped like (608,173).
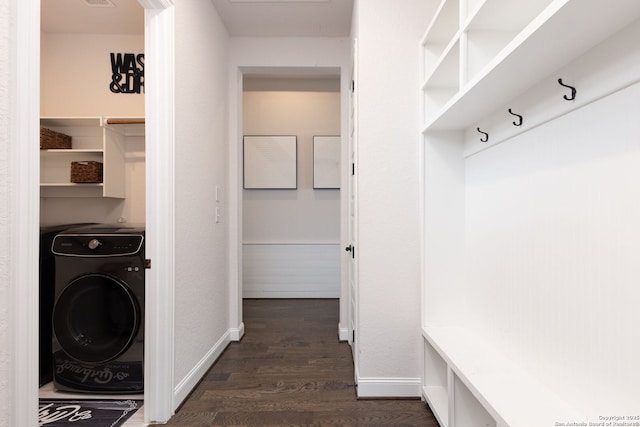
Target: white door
(353,211)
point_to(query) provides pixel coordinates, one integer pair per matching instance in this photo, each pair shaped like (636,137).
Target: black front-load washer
(98,314)
(46,295)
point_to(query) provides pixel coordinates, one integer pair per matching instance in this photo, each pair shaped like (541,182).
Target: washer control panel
(97,245)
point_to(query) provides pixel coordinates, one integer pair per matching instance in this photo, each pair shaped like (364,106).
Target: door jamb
(159,396)
(24,211)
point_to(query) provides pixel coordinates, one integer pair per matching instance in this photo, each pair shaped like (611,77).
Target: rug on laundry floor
(81,413)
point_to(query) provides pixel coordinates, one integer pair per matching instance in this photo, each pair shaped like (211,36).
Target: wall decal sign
(127,73)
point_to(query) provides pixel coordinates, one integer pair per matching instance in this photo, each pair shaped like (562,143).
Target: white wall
(201,282)
(7,223)
(75,78)
(388,250)
(303,215)
(76,73)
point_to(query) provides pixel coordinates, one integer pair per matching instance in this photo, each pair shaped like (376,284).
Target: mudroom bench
(468,382)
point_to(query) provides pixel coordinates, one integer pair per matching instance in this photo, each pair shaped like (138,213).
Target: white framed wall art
(270,162)
(326,162)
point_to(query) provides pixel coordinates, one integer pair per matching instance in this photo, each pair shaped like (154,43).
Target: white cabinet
(477,56)
(93,139)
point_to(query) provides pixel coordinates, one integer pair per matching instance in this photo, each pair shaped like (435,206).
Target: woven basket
(50,139)
(86,172)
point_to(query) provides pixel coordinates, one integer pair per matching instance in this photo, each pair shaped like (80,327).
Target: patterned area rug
(81,413)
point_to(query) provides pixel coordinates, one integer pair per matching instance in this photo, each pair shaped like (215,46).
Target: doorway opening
(159,122)
(290,239)
(97,177)
(291,223)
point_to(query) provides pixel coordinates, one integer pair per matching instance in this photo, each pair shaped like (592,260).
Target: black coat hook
(573,91)
(519,122)
(486,136)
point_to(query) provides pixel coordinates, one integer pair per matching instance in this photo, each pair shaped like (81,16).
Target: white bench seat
(509,394)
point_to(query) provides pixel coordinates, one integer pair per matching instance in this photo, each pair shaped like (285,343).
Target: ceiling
(286,18)
(243,18)
(76,16)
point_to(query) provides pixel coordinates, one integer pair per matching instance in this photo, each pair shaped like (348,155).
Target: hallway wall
(388,246)
(301,215)
(201,280)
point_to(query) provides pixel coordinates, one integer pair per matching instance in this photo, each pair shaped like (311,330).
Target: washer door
(96,318)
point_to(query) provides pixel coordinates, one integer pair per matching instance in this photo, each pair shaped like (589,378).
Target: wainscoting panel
(274,270)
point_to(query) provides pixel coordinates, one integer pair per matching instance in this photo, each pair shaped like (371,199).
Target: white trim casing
(235,203)
(24,210)
(160,401)
(156,4)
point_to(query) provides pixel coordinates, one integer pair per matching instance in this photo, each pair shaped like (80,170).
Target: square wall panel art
(270,162)
(326,162)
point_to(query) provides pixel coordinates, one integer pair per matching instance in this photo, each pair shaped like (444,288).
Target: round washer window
(96,318)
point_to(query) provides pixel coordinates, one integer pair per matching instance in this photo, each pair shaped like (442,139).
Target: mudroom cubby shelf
(93,139)
(502,47)
(442,31)
(494,353)
(444,83)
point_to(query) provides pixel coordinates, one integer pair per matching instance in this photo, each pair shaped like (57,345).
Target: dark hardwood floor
(290,370)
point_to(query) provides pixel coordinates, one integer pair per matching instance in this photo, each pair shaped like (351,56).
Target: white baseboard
(389,387)
(236,334)
(188,383)
(343,333)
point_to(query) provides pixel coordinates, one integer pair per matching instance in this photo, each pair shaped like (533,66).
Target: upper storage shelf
(495,41)
(93,139)
(441,32)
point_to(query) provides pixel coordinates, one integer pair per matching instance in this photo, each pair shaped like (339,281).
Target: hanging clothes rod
(125,121)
